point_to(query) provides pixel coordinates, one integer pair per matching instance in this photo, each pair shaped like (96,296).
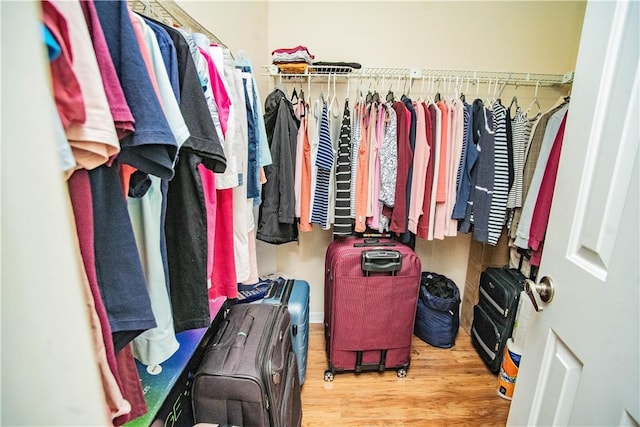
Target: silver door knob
(541,292)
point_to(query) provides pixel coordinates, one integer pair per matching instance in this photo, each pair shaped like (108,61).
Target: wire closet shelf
(434,75)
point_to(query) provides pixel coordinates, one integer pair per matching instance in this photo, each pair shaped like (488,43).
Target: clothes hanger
(390,97)
(462,96)
(489,102)
(428,98)
(535,102)
(348,88)
(280,86)
(421,93)
(410,82)
(514,100)
(437,97)
(369,98)
(333,104)
(499,94)
(376,95)
(294,96)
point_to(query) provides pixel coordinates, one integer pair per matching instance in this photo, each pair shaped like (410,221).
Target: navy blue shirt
(118,268)
(152,148)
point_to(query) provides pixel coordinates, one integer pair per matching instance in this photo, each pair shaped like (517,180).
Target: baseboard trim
(316,317)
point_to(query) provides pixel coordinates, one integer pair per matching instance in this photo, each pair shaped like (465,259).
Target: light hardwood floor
(443,387)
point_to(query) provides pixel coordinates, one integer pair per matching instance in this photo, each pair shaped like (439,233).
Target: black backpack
(438,315)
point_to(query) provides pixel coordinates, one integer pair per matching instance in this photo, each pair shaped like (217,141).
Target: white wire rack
(433,76)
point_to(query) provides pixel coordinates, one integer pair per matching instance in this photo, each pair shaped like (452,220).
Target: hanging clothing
(436,120)
(477,216)
(423,222)
(550,132)
(239,134)
(362,177)
(305,170)
(356,133)
(300,110)
(521,130)
(253,161)
(276,223)
(81,202)
(223,277)
(65,84)
(94,140)
(120,274)
(467,161)
(373,181)
(342,224)
(335,125)
(497,212)
(405,158)
(378,221)
(531,159)
(156,345)
(187,244)
(389,158)
(458,130)
(323,164)
(542,209)
(420,164)
(151,148)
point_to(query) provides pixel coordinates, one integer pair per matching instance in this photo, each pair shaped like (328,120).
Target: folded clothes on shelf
(294,54)
(292,67)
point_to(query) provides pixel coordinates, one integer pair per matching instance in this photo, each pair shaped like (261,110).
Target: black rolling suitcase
(249,375)
(495,313)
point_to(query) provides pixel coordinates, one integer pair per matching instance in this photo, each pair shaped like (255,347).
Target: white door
(581,355)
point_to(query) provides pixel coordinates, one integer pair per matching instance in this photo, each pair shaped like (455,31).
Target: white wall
(534,36)
(49,372)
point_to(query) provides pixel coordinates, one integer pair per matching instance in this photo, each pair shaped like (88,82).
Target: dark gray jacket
(276,222)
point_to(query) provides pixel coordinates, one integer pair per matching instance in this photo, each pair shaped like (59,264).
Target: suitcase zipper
(495,305)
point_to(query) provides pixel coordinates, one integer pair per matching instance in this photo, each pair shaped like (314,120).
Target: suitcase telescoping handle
(377,261)
(372,242)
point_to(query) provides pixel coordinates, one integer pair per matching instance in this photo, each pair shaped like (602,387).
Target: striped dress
(521,130)
(342,223)
(324,162)
(497,213)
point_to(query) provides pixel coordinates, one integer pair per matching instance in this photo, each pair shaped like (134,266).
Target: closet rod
(169,13)
(473,76)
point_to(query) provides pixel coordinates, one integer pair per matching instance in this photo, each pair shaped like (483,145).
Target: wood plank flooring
(443,387)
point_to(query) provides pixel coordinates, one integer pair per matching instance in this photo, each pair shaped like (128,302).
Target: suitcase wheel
(328,375)
(402,372)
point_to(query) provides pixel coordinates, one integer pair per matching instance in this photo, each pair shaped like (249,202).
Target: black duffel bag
(437,316)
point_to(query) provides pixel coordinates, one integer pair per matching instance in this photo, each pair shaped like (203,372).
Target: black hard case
(249,375)
(495,313)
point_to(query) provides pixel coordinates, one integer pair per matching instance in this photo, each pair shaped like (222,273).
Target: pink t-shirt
(95,141)
(420,162)
(220,95)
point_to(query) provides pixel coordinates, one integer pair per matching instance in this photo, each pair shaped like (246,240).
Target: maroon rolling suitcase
(370,299)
